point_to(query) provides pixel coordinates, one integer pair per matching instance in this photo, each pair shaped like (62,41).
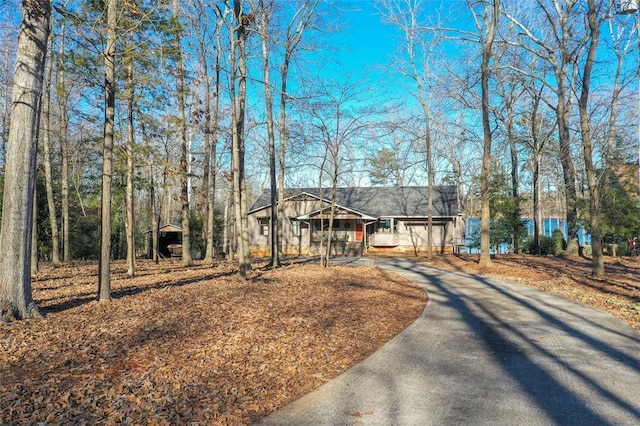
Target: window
(325,225)
(264,225)
(384,226)
(295,228)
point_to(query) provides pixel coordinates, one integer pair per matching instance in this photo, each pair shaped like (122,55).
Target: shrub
(548,245)
(560,243)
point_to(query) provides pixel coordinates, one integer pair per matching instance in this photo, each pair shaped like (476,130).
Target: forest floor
(199,346)
(192,345)
(617,293)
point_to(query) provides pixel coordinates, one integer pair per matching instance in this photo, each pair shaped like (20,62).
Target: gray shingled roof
(402,201)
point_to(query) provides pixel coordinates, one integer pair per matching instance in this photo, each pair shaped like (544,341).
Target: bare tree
(301,21)
(418,49)
(596,14)
(486,22)
(182,123)
(63,137)
(104,283)
(130,152)
(45,138)
(17,213)
(337,117)
(265,11)
(210,110)
(553,39)
(540,132)
(510,90)
(238,65)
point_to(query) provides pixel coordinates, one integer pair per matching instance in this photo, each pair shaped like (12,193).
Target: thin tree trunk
(64,149)
(17,213)
(538,227)
(537,196)
(45,137)
(184,167)
(274,231)
(585,131)
(238,116)
(130,222)
(154,219)
(282,149)
(34,232)
(104,285)
(212,123)
(226,244)
(292,42)
(485,212)
(568,170)
(206,171)
(515,182)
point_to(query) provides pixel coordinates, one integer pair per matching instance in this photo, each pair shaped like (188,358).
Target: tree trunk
(485,213)
(207,174)
(206,169)
(537,196)
(238,117)
(104,284)
(45,137)
(212,147)
(568,169)
(227,247)
(282,148)
(292,42)
(34,232)
(430,176)
(515,182)
(536,149)
(184,165)
(17,213)
(274,231)
(130,222)
(585,131)
(64,149)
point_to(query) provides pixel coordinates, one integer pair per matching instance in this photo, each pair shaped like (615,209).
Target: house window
(264,225)
(317,224)
(295,228)
(385,226)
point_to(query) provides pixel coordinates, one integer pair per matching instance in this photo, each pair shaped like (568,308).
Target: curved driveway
(486,352)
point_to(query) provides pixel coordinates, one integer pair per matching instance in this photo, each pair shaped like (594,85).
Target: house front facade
(365,219)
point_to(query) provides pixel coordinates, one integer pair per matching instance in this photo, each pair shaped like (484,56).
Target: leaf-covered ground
(199,346)
(617,293)
(194,345)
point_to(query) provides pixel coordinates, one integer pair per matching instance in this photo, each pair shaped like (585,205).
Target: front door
(359,233)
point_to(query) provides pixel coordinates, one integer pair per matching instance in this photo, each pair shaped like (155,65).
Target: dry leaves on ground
(617,293)
(192,345)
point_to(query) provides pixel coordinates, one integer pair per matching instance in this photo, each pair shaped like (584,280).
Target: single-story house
(391,218)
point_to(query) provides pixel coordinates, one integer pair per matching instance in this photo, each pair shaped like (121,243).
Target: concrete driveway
(486,352)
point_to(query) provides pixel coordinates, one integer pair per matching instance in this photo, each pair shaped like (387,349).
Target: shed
(168,235)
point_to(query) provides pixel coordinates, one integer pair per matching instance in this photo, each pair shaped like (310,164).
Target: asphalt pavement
(485,352)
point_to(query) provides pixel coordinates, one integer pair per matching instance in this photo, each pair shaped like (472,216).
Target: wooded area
(132,114)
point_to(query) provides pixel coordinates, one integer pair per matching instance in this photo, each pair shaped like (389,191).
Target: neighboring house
(365,219)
